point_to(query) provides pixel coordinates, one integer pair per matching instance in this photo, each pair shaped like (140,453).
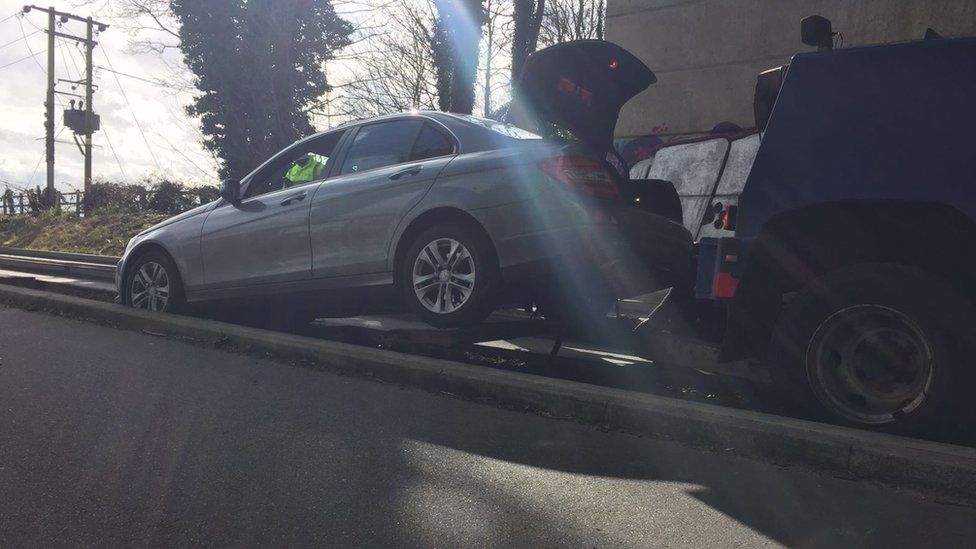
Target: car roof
(469,136)
(435,115)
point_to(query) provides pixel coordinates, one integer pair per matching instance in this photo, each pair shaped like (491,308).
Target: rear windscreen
(508,130)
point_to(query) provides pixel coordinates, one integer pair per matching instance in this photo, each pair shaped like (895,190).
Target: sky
(167,145)
(145,131)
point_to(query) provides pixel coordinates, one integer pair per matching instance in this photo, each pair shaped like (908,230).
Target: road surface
(112,438)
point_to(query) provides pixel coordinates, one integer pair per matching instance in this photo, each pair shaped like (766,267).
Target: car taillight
(586,175)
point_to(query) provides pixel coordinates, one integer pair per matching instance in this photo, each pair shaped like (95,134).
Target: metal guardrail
(83,265)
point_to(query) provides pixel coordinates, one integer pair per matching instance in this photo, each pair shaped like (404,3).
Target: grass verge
(103,233)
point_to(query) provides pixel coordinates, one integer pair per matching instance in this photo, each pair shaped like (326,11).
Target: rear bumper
(719,267)
(639,253)
(664,248)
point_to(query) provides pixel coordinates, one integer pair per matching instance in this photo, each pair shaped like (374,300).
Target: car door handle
(409,172)
(294,198)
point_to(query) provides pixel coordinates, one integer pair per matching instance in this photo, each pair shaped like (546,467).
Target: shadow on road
(113,437)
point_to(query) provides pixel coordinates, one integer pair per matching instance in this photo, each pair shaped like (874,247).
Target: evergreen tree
(259,67)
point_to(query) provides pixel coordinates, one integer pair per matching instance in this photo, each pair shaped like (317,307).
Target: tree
(527,17)
(152,29)
(149,22)
(456,40)
(566,20)
(259,68)
(391,67)
(497,41)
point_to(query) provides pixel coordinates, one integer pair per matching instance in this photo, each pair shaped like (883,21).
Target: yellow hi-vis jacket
(311,171)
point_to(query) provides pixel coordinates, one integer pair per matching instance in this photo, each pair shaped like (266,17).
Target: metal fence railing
(20,204)
(26,203)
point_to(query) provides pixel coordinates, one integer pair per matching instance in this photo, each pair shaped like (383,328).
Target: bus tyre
(875,346)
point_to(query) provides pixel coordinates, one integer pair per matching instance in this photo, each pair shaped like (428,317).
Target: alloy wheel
(150,287)
(443,275)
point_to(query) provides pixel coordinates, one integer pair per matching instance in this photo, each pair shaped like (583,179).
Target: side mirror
(817,31)
(230,190)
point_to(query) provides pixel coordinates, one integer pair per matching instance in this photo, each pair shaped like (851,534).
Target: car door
(388,168)
(264,238)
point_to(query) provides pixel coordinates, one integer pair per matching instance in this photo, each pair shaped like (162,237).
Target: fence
(21,204)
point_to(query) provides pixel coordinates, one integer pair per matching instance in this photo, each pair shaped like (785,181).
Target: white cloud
(173,137)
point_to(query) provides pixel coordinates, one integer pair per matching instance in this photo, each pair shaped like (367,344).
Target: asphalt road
(112,438)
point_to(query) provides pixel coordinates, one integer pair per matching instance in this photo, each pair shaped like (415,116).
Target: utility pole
(89,46)
(49,105)
(83,121)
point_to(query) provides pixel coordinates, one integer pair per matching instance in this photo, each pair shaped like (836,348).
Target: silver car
(446,215)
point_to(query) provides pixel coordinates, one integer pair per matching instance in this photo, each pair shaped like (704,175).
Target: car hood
(580,86)
(189,213)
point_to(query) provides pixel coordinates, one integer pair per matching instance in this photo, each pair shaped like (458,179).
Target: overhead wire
(195,128)
(115,155)
(116,74)
(15,40)
(184,156)
(26,43)
(44,153)
(70,55)
(36,167)
(33,55)
(110,68)
(64,56)
(140,78)
(23,59)
(131,110)
(24,36)
(9,17)
(31,23)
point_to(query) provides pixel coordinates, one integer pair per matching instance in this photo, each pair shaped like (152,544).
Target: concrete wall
(707,53)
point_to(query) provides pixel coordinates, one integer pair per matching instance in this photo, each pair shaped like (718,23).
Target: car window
(300,165)
(383,144)
(431,143)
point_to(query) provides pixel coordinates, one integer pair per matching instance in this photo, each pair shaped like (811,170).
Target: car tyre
(875,346)
(448,276)
(153,283)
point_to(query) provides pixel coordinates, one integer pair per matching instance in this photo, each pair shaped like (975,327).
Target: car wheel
(874,346)
(448,275)
(153,283)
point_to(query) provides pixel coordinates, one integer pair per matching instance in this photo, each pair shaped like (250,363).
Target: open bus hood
(580,86)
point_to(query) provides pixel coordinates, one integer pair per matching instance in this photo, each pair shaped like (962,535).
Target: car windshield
(508,130)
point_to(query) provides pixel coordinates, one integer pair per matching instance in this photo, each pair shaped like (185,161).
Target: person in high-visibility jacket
(305,170)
